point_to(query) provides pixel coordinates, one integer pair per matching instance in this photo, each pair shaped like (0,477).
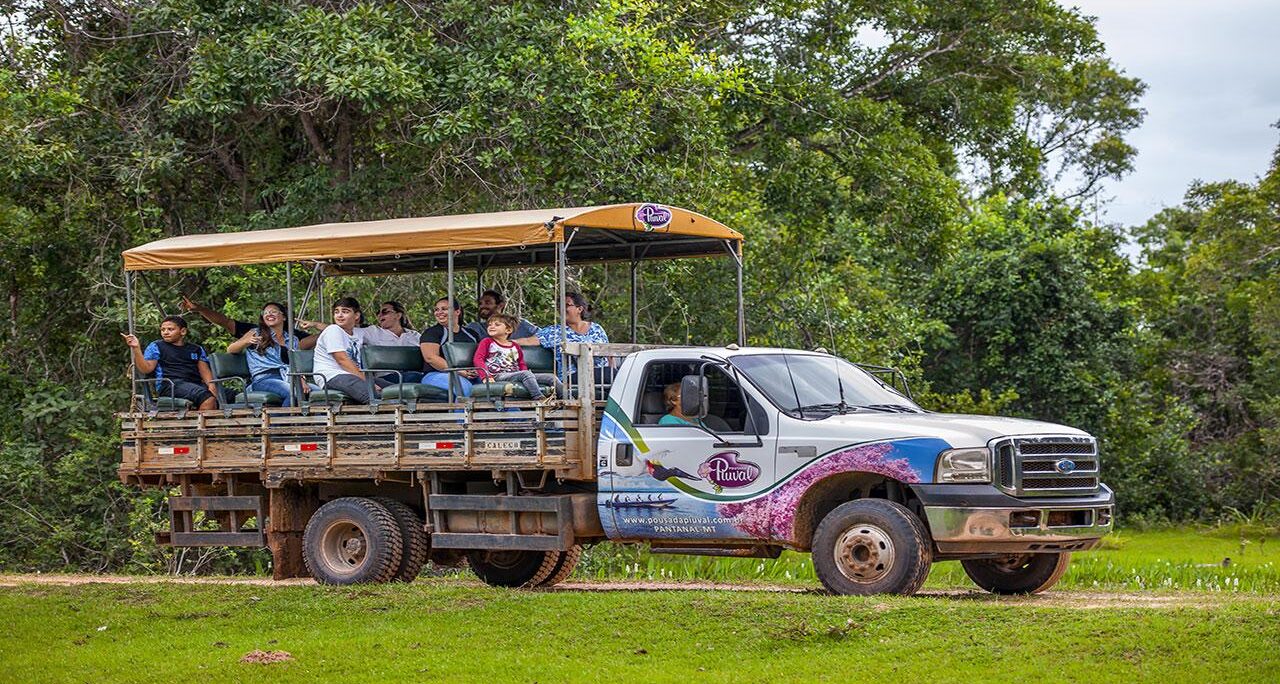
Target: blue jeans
(274,386)
(439,379)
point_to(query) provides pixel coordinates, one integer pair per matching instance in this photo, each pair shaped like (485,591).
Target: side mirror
(693,396)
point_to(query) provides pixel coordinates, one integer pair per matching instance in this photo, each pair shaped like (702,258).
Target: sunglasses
(387,312)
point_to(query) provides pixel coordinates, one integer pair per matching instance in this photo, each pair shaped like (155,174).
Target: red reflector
(182,450)
(446,445)
(309,447)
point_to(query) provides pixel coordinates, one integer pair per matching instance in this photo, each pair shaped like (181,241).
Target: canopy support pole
(448,333)
(742,311)
(561,322)
(320,311)
(133,369)
(635,277)
(306,298)
(288,301)
(154,298)
(128,300)
(448,328)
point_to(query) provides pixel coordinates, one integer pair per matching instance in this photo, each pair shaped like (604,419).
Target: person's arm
(206,376)
(431,354)
(248,339)
(520,359)
(482,353)
(545,337)
(344,361)
(306,341)
(145,366)
(215,317)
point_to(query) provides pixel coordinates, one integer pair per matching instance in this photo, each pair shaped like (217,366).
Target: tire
(513,568)
(1027,573)
(416,545)
(352,540)
(563,567)
(871,546)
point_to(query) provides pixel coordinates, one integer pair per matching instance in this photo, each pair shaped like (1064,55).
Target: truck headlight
(964,465)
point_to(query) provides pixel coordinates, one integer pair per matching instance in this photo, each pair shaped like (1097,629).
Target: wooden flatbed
(280,445)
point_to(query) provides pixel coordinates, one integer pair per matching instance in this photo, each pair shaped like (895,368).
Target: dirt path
(1051,599)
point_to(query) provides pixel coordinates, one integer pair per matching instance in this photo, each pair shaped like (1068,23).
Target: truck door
(682,481)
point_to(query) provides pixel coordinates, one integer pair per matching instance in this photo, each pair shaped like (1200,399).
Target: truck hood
(958,430)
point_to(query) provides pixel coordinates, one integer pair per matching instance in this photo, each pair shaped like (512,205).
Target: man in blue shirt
(171,358)
(490,303)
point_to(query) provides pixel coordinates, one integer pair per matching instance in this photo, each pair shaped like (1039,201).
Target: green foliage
(1210,288)
(1034,302)
(846,140)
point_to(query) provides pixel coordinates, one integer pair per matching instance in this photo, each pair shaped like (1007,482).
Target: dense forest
(909,175)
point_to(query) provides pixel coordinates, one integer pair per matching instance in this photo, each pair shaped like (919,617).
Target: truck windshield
(810,385)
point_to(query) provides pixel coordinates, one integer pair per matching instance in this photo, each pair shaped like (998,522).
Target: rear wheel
(415,542)
(513,568)
(564,567)
(871,546)
(352,541)
(1019,573)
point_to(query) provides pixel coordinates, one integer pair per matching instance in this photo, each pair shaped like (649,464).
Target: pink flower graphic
(773,516)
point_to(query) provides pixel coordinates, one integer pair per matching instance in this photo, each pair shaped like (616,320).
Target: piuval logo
(725,470)
(653,216)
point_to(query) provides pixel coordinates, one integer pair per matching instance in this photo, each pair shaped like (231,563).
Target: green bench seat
(391,363)
(226,366)
(539,359)
(302,368)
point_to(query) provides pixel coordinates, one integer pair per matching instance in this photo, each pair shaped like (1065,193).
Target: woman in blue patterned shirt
(578,328)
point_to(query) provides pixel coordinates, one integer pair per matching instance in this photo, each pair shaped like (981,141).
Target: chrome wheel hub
(864,553)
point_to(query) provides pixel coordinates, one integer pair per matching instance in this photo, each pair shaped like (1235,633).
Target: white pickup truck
(803,450)
(722,450)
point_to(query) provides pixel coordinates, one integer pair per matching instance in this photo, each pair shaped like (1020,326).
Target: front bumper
(967,520)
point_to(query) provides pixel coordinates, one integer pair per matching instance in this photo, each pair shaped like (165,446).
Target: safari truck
(778,449)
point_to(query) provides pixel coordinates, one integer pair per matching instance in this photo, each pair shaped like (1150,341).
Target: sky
(1212,71)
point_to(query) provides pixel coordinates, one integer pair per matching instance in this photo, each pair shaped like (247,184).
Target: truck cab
(789,449)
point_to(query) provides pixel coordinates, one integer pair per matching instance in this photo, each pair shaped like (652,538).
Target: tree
(836,135)
(1210,290)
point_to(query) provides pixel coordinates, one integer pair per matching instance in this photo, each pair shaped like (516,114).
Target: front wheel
(1024,573)
(871,546)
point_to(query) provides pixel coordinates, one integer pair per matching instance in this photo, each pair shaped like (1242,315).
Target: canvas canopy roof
(618,232)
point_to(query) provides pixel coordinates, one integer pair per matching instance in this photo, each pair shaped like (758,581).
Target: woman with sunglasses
(266,349)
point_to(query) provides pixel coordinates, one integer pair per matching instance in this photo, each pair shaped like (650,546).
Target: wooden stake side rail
(283,443)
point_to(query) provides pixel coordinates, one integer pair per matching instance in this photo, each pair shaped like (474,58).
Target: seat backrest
(392,358)
(459,354)
(226,365)
(652,407)
(538,358)
(302,361)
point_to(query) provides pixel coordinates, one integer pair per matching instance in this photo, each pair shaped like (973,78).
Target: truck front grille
(1047,466)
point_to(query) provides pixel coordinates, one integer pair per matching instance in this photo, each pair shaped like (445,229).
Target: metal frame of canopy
(526,239)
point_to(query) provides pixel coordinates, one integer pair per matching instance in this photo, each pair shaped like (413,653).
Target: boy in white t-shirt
(337,354)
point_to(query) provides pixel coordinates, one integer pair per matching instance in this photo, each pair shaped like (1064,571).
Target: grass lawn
(457,631)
